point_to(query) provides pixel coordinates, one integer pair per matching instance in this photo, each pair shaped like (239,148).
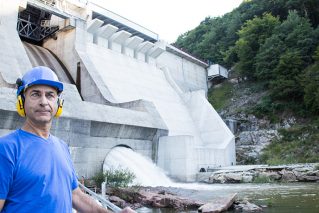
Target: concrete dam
(123,87)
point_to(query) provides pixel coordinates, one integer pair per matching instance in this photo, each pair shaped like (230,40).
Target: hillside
(272,50)
(280,137)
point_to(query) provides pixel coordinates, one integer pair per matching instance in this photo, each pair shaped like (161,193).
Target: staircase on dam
(124,87)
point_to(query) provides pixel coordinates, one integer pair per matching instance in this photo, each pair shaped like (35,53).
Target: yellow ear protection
(20,106)
(20,99)
(21,111)
(60,108)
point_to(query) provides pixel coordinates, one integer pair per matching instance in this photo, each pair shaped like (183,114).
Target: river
(275,197)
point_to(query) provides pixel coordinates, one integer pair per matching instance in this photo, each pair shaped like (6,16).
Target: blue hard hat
(39,75)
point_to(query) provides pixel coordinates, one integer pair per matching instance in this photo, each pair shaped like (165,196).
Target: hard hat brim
(55,84)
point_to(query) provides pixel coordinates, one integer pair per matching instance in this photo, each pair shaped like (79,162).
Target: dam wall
(189,73)
(123,88)
(14,60)
(90,129)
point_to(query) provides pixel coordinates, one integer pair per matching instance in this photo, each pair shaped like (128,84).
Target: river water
(274,197)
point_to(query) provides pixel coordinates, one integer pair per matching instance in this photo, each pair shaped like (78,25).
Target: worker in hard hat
(36,171)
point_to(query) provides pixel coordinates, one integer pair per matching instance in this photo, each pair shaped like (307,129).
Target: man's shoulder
(9,144)
(10,137)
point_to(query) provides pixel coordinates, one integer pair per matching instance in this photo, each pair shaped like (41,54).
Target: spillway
(40,56)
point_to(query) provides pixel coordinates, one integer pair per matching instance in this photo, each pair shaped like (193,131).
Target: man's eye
(35,95)
(50,96)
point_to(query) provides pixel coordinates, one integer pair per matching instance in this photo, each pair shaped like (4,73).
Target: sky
(169,18)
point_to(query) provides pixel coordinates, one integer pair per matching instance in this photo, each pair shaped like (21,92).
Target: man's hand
(1,204)
(127,210)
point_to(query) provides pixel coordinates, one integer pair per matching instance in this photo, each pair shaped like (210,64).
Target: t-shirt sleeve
(75,180)
(6,171)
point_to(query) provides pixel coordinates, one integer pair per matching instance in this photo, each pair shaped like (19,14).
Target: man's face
(40,103)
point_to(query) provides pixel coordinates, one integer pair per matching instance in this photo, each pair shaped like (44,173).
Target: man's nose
(44,100)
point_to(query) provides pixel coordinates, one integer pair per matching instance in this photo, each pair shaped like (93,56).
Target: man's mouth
(43,111)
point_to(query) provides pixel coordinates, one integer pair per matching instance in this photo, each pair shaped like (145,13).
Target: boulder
(307,178)
(247,178)
(217,178)
(218,205)
(233,177)
(288,176)
(271,175)
(246,206)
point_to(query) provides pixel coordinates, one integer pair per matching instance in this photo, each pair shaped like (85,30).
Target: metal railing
(33,31)
(50,3)
(105,203)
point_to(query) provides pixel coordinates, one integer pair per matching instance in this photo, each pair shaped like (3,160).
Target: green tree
(251,37)
(310,82)
(283,57)
(268,57)
(306,8)
(287,85)
(297,40)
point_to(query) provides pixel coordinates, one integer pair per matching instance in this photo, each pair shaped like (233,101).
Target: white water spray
(146,172)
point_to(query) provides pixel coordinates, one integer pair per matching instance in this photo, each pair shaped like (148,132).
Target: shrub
(262,179)
(98,178)
(114,177)
(119,177)
(297,144)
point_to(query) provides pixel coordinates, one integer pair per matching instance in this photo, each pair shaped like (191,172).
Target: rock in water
(218,205)
(246,206)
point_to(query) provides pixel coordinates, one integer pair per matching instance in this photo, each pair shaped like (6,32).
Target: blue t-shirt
(36,174)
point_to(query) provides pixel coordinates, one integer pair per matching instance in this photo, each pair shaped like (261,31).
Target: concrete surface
(129,92)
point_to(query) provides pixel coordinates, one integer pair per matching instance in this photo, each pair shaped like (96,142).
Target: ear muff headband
(20,106)
(21,111)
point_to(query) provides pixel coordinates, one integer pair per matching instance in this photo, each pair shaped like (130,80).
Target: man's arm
(84,203)
(2,204)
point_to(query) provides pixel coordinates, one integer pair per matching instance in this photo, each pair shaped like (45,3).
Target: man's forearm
(84,203)
(1,204)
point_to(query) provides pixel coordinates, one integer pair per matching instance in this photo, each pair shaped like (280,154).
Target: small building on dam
(123,87)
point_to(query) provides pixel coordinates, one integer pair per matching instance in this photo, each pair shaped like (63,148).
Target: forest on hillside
(272,42)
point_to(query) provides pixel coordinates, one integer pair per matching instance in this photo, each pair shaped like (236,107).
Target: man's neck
(42,130)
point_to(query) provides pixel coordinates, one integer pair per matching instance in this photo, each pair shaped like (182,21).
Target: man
(36,171)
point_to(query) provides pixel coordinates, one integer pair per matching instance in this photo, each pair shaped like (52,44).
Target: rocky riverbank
(163,197)
(263,174)
(179,199)
(252,132)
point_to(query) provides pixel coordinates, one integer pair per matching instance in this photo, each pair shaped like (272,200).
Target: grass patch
(219,97)
(298,144)
(262,179)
